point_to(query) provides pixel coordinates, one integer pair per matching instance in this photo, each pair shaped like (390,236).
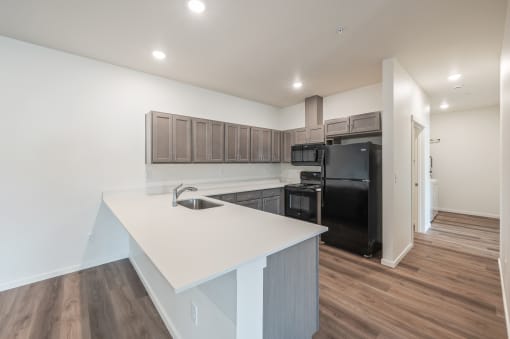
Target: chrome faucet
(177,191)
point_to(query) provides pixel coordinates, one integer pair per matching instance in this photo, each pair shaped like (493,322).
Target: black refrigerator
(352,197)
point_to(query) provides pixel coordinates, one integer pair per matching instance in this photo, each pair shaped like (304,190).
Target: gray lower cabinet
(270,200)
(276,146)
(272,205)
(291,292)
(368,122)
(169,138)
(208,140)
(237,143)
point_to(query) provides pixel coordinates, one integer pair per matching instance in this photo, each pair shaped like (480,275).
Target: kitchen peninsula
(223,272)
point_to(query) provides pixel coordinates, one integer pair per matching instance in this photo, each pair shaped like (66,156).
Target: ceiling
(256,49)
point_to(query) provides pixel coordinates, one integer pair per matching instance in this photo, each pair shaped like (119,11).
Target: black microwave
(307,154)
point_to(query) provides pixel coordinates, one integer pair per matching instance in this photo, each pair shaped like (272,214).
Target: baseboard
(476,214)
(58,272)
(505,304)
(164,316)
(394,263)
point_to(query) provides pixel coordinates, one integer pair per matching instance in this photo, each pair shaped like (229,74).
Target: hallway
(448,286)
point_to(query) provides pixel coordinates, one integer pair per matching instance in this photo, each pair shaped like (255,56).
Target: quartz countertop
(190,247)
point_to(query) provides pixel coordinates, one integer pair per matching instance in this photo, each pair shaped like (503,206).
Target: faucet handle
(177,187)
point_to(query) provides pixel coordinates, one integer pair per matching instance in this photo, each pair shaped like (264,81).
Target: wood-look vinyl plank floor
(447,287)
(104,302)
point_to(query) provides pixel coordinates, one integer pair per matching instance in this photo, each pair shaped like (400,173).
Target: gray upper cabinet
(208,140)
(237,143)
(169,138)
(200,134)
(181,138)
(260,145)
(244,144)
(287,142)
(300,136)
(231,142)
(316,134)
(335,127)
(368,122)
(266,145)
(256,144)
(217,137)
(276,146)
(161,138)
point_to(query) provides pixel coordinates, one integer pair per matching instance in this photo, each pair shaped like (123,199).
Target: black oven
(303,202)
(307,154)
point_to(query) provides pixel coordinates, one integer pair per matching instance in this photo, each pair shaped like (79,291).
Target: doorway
(416,177)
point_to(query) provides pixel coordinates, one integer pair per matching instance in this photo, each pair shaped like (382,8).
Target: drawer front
(256,204)
(271,192)
(252,195)
(229,197)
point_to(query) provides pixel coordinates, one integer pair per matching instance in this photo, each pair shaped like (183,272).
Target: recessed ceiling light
(196,6)
(444,106)
(158,55)
(297,85)
(454,77)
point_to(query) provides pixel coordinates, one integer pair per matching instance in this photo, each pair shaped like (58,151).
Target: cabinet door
(231,142)
(336,127)
(244,138)
(316,134)
(161,137)
(300,136)
(256,144)
(287,145)
(200,133)
(216,147)
(256,204)
(181,138)
(276,146)
(266,153)
(368,122)
(271,205)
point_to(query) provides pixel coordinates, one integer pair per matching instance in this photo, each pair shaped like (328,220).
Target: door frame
(417,176)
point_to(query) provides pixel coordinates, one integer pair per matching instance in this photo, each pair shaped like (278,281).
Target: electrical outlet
(91,236)
(194,314)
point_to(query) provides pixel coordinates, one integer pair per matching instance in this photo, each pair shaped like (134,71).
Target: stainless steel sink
(198,204)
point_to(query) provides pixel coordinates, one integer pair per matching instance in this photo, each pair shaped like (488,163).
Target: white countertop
(190,247)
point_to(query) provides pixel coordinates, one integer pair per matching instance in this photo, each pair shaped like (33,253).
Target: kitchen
(98,136)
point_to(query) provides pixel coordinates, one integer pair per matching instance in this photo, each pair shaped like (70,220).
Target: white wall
(403,100)
(357,101)
(505,169)
(466,161)
(73,127)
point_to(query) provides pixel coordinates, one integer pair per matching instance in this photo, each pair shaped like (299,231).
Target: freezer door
(348,161)
(345,212)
